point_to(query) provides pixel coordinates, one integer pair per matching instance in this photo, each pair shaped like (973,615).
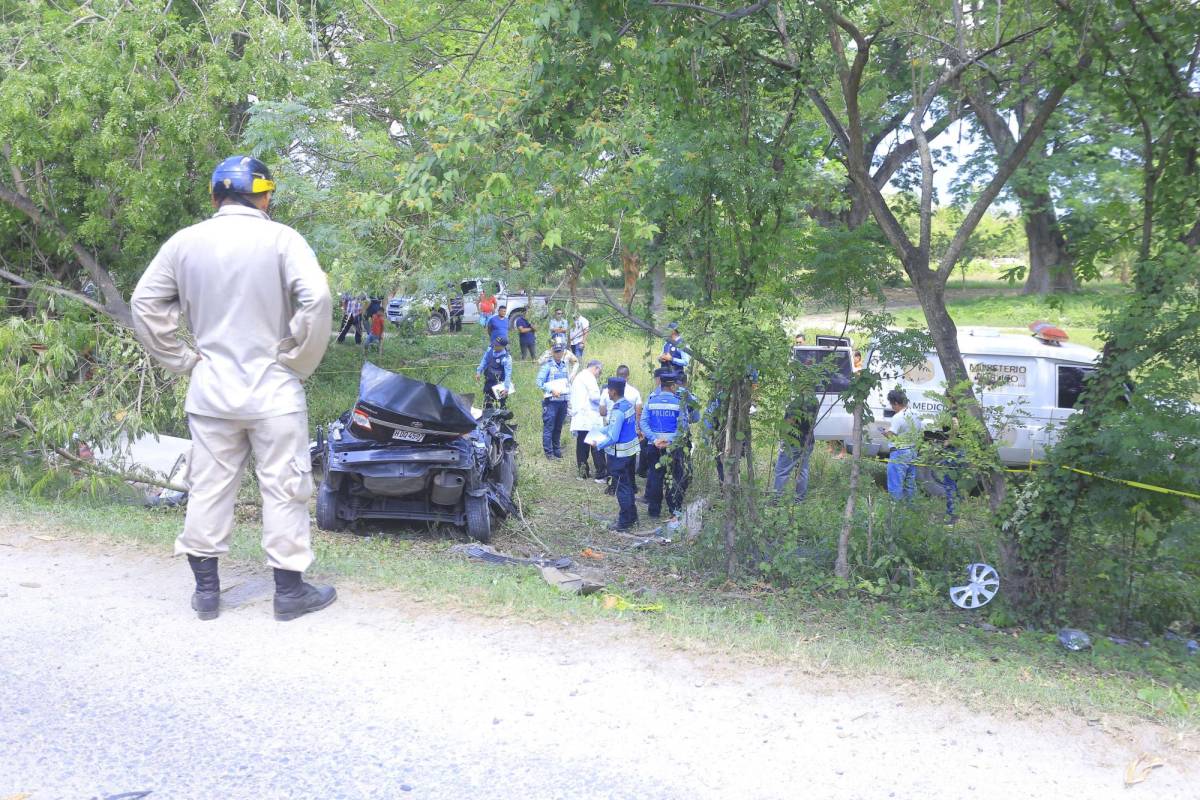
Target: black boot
(295,598)
(206,600)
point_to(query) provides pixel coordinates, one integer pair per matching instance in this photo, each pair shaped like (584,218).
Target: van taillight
(360,418)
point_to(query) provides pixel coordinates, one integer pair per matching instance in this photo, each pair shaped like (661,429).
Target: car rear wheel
(508,471)
(327,508)
(479,519)
(435,324)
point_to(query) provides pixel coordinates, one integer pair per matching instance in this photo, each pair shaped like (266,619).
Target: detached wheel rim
(982,584)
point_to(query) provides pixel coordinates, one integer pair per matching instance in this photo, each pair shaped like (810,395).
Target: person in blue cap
(619,440)
(672,355)
(665,419)
(553,379)
(495,369)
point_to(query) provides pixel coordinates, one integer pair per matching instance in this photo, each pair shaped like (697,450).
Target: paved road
(108,685)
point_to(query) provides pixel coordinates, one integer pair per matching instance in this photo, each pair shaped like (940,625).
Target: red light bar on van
(1047,333)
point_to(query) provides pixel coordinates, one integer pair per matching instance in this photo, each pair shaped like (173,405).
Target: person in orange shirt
(375,337)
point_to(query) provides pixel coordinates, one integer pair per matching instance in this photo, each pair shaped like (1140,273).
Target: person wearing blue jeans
(903,432)
(949,458)
(901,474)
(796,448)
(950,484)
(552,380)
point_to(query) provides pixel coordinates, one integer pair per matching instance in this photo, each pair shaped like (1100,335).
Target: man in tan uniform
(258,306)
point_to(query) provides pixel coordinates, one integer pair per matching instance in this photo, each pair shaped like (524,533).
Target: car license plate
(408,436)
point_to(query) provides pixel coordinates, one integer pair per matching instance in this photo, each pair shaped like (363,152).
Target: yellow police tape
(1135,484)
(614,602)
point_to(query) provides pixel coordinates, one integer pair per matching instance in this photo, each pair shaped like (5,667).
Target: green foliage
(70,384)
(113,117)
(1098,547)
(548,139)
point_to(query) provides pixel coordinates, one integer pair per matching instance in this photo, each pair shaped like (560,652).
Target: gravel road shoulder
(112,686)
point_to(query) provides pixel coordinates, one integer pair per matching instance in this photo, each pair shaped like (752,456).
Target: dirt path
(111,686)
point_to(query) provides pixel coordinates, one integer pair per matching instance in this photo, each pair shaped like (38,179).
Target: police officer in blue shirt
(620,444)
(665,419)
(672,355)
(554,400)
(495,368)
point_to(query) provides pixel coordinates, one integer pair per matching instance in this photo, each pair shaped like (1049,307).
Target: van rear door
(834,422)
(1068,382)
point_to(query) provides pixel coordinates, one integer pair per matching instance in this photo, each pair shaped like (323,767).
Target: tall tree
(943,45)
(1138,420)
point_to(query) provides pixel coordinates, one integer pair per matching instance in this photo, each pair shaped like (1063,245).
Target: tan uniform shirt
(257,303)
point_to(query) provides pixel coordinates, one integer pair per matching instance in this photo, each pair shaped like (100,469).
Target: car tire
(327,508)
(479,519)
(508,471)
(436,323)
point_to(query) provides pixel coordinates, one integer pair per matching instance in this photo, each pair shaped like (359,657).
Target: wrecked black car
(411,450)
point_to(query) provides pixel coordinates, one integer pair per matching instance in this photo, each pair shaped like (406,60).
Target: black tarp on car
(414,403)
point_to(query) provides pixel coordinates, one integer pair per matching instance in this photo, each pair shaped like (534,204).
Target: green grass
(880,641)
(1079,314)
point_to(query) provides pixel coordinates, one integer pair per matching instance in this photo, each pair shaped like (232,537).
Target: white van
(1033,383)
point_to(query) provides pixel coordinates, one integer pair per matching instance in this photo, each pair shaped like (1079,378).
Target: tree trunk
(732,486)
(1049,262)
(573,274)
(658,291)
(631,268)
(945,341)
(842,567)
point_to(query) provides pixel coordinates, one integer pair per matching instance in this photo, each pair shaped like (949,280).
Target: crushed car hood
(434,406)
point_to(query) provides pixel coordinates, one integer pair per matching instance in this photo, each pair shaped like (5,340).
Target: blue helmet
(241,175)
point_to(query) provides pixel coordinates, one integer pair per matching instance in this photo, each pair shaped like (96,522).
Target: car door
(470,290)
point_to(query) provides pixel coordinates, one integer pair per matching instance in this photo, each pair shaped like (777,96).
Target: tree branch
(391,29)
(495,24)
(114,304)
(646,326)
(889,125)
(12,277)
(954,71)
(1006,170)
(835,125)
(904,151)
(102,468)
(728,16)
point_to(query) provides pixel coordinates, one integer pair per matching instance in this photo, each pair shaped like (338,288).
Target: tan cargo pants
(220,450)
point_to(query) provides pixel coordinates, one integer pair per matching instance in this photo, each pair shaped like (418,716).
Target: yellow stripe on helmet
(261,185)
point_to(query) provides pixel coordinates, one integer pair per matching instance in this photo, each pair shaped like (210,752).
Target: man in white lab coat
(259,310)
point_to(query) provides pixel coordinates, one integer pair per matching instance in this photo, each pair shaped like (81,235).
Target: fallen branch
(528,527)
(646,326)
(12,277)
(101,468)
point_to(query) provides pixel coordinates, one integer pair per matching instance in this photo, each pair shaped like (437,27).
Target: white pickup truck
(1033,382)
(437,308)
